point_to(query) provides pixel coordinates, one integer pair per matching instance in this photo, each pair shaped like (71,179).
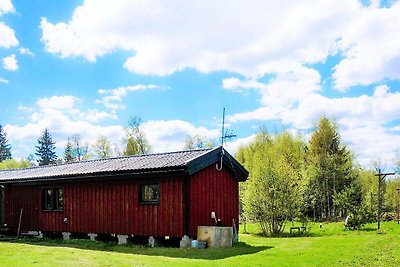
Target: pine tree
(330,169)
(5,148)
(46,149)
(68,152)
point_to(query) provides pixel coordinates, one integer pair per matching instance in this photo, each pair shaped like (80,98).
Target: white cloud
(171,135)
(6,7)
(7,36)
(207,35)
(372,142)
(2,80)
(281,94)
(232,147)
(68,106)
(253,38)
(10,63)
(371,48)
(62,116)
(112,98)
(26,51)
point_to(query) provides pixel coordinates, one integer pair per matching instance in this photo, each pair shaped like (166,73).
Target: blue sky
(85,67)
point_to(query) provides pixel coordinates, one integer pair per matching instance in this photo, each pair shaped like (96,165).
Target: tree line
(293,179)
(290,178)
(76,149)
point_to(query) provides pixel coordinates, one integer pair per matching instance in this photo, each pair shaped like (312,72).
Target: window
(53,199)
(149,193)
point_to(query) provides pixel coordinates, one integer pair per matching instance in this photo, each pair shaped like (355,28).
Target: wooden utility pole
(381,177)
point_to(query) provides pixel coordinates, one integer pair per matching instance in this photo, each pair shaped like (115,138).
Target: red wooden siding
(29,204)
(212,190)
(113,206)
(101,207)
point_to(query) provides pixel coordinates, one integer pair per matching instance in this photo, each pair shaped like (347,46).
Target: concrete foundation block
(92,236)
(122,239)
(66,235)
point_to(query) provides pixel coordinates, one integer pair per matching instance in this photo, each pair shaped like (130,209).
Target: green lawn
(329,246)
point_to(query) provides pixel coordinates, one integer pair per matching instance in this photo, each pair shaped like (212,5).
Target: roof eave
(99,175)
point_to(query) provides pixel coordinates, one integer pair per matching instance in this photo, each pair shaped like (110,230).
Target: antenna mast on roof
(226,134)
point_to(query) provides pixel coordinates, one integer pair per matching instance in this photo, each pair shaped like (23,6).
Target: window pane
(59,199)
(150,193)
(47,199)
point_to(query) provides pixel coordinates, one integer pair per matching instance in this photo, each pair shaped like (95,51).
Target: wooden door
(2,205)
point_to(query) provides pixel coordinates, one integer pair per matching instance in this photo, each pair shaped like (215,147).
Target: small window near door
(149,193)
(53,199)
(59,195)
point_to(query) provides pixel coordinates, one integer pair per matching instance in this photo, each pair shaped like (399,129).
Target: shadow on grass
(239,248)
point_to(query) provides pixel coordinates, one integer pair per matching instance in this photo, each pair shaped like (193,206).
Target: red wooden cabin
(166,194)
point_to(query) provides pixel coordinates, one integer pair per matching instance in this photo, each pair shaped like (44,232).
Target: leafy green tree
(45,149)
(369,187)
(68,152)
(135,142)
(330,170)
(391,198)
(102,147)
(14,164)
(274,190)
(5,148)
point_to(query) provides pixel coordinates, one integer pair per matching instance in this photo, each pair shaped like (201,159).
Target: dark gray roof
(186,161)
(121,164)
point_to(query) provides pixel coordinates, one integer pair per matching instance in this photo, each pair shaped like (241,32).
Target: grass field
(329,246)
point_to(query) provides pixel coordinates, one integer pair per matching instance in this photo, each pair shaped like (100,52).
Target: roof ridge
(205,150)
(106,159)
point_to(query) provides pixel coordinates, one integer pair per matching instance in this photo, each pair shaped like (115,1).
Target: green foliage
(68,152)
(369,186)
(349,199)
(359,217)
(14,164)
(5,148)
(273,193)
(102,147)
(45,149)
(330,170)
(350,202)
(135,141)
(392,196)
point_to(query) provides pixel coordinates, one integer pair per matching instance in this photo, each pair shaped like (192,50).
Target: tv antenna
(226,134)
